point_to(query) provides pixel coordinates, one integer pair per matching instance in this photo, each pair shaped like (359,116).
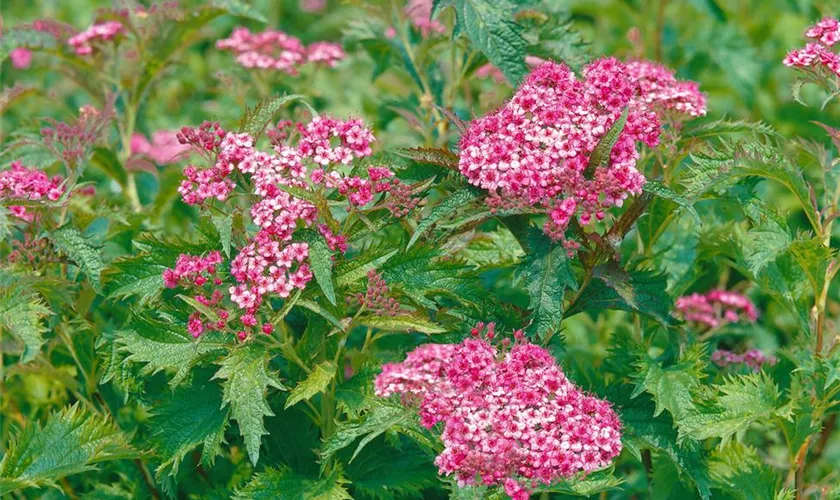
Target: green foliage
(491,30)
(22,314)
(317,381)
(71,441)
(546,273)
(162,344)
(448,206)
(246,381)
(190,417)
(637,291)
(321,258)
(286,484)
(70,242)
(741,401)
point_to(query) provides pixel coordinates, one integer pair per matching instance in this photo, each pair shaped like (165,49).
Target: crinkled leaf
(380,418)
(490,27)
(739,471)
(285,484)
(255,120)
(163,345)
(434,156)
(401,323)
(320,258)
(22,314)
(636,291)
(69,241)
(545,273)
(246,381)
(315,383)
(658,189)
(70,441)
(190,417)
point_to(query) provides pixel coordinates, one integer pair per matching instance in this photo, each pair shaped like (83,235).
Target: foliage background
(733,48)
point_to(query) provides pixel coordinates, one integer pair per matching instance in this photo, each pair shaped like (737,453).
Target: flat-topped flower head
(716,308)
(84,43)
(536,148)
(28,184)
(818,55)
(510,419)
(278,51)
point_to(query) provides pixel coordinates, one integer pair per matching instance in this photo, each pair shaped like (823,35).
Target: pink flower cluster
(511,419)
(274,49)
(660,90)
(199,274)
(818,53)
(28,184)
(716,308)
(272,263)
(535,150)
(164,148)
(82,43)
(753,358)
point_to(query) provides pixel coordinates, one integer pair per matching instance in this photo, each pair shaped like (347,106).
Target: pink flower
(276,50)
(753,359)
(82,43)
(510,419)
(716,308)
(28,184)
(818,54)
(535,149)
(21,57)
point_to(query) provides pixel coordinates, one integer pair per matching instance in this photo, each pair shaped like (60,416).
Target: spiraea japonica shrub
(425,249)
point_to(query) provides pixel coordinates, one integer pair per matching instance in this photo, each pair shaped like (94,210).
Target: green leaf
(207,311)
(448,206)
(224,225)
(315,383)
(108,162)
(644,431)
(814,258)
(551,35)
(671,387)
(71,441)
(742,401)
(739,471)
(190,417)
(434,156)
(255,120)
(401,323)
(585,485)
(317,309)
(247,379)
(163,345)
(410,472)
(546,273)
(601,154)
(423,273)
(285,484)
(69,241)
(380,418)
(490,27)
(636,291)
(22,313)
(352,271)
(320,258)
(720,168)
(658,189)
